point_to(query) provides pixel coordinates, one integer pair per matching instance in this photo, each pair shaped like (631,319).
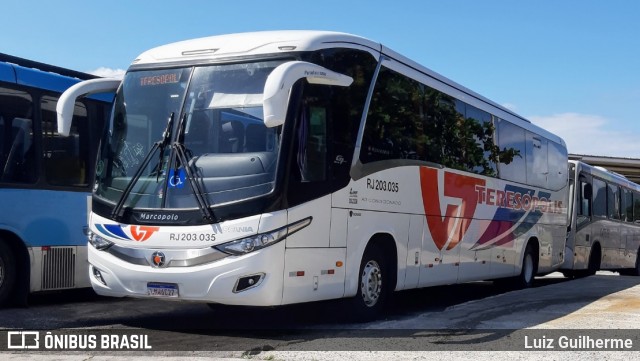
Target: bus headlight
(262,240)
(98,242)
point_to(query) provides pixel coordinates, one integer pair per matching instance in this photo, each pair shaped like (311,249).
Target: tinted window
(66,159)
(537,169)
(17,150)
(627,205)
(613,201)
(412,121)
(599,198)
(312,144)
(511,136)
(584,207)
(636,207)
(557,160)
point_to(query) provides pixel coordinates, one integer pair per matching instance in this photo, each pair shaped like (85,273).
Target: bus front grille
(58,268)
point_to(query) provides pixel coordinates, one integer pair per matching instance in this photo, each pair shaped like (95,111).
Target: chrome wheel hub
(371,283)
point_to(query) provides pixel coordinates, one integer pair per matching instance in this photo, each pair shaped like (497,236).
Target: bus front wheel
(373,285)
(7,272)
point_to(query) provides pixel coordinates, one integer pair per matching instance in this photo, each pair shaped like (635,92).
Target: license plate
(162,289)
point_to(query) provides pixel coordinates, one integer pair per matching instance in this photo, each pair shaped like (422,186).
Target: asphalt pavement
(515,325)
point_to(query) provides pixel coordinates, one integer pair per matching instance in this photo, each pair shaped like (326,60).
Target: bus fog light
(247,282)
(98,275)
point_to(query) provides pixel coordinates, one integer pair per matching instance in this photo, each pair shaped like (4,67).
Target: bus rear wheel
(529,268)
(373,286)
(636,271)
(594,261)
(7,272)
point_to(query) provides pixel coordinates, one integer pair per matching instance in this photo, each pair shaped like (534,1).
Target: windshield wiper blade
(204,206)
(181,155)
(166,138)
(118,210)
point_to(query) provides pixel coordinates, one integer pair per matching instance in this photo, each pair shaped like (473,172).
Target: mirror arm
(67,102)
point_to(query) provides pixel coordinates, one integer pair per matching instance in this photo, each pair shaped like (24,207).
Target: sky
(570,66)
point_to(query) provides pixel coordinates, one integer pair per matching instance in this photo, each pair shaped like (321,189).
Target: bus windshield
(214,113)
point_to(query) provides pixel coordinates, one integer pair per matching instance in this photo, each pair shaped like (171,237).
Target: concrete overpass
(628,167)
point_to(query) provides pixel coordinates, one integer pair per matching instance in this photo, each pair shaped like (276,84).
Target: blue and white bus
(45,179)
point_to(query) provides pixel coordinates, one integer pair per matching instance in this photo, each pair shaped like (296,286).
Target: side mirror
(67,102)
(279,83)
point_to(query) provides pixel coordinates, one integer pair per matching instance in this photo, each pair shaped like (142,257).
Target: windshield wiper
(118,210)
(181,156)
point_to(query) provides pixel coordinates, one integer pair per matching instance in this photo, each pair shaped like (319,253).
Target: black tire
(529,268)
(594,262)
(636,271)
(7,272)
(374,286)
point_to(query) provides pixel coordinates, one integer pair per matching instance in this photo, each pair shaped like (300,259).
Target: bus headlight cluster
(262,240)
(98,242)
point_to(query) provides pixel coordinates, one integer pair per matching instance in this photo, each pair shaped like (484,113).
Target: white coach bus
(275,168)
(604,228)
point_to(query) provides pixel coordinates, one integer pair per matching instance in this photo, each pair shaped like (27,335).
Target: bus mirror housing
(279,83)
(67,102)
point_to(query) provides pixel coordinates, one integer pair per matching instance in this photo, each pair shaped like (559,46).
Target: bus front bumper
(254,279)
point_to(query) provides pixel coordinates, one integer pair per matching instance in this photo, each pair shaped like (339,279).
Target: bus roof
(281,42)
(605,174)
(42,76)
(26,63)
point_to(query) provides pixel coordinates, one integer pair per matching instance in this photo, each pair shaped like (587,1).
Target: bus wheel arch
(14,286)
(377,277)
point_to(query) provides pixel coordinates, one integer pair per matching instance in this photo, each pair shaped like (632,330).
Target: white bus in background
(604,228)
(274,168)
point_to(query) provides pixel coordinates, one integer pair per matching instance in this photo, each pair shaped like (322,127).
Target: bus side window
(636,207)
(613,202)
(17,157)
(627,205)
(599,198)
(65,158)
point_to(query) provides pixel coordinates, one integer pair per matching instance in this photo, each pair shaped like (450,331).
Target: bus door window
(312,172)
(584,205)
(312,144)
(17,160)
